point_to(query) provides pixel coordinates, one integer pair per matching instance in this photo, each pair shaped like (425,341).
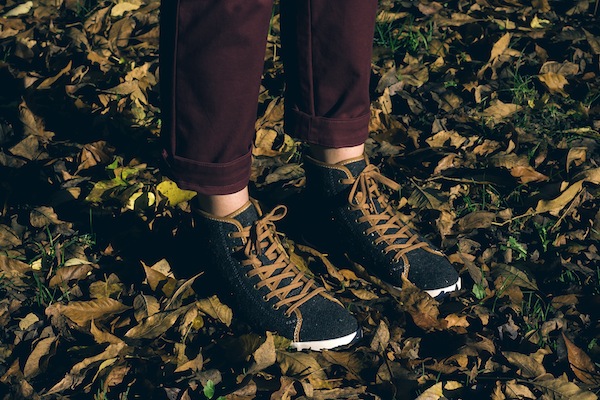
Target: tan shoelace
(364,191)
(261,238)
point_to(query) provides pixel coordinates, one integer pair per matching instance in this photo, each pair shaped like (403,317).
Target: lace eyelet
(265,298)
(274,306)
(230,235)
(255,287)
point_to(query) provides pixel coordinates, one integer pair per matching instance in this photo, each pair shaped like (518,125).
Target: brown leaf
(32,124)
(527,174)
(565,300)
(81,312)
(8,237)
(43,348)
(145,306)
(381,338)
(48,82)
(439,391)
(159,281)
(217,310)
(554,82)
(194,364)
(422,307)
(111,287)
(541,5)
(29,148)
(95,22)
(116,376)
(264,356)
(562,389)
(13,269)
(155,325)
(593,41)
(514,276)
(364,294)
(515,390)
(68,273)
(347,359)
(96,153)
(498,111)
(577,156)
(476,220)
(299,364)
(340,393)
(500,46)
(183,291)
(527,365)
(43,216)
(120,33)
(581,364)
(459,321)
(101,336)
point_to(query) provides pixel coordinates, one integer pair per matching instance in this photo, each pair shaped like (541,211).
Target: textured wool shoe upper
(358,220)
(270,291)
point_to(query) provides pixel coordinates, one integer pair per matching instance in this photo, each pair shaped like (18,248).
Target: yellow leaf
(537,23)
(175,195)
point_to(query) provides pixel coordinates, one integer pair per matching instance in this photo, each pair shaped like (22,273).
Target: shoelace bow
(364,192)
(261,238)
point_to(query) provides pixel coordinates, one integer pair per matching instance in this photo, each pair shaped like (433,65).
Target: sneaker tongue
(356,167)
(247,216)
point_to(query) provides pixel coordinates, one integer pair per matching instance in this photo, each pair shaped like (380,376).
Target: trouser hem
(327,132)
(215,178)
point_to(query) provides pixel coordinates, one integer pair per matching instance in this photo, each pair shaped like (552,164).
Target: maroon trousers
(212,54)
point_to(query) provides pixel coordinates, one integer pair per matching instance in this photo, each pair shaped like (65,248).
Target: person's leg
(212,54)
(327,48)
(328,105)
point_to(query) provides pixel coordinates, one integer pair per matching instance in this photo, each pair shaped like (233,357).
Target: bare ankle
(330,155)
(222,205)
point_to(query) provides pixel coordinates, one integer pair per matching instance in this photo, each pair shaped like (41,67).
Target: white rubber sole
(446,290)
(328,344)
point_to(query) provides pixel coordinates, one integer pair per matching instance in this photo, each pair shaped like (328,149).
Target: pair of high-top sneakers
(352,214)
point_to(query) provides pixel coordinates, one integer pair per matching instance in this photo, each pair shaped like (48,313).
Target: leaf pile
(487,113)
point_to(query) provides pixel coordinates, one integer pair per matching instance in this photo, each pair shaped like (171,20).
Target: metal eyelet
(265,298)
(255,287)
(230,235)
(274,306)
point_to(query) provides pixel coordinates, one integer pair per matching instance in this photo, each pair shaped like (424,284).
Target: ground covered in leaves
(488,114)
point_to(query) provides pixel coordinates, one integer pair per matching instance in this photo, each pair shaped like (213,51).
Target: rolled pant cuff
(216,178)
(327,132)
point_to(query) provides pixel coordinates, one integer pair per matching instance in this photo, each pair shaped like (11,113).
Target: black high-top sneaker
(356,219)
(270,291)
